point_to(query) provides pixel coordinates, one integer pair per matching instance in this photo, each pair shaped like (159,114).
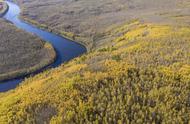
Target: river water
(65,49)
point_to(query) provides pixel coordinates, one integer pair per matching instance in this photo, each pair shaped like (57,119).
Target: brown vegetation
(21,53)
(87,21)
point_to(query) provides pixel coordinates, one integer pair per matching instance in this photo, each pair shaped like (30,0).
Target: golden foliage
(142,78)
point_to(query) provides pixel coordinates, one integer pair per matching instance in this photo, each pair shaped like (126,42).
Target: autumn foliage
(141,76)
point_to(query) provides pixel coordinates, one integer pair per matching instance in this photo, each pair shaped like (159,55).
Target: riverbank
(4,8)
(65,49)
(144,70)
(93,20)
(22,55)
(142,77)
(68,35)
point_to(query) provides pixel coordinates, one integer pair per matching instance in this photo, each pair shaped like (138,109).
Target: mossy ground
(141,76)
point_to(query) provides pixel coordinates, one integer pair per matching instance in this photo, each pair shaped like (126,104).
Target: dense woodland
(141,76)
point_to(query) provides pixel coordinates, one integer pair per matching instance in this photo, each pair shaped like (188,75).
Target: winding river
(65,49)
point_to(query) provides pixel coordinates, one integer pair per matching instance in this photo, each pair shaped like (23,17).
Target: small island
(3,8)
